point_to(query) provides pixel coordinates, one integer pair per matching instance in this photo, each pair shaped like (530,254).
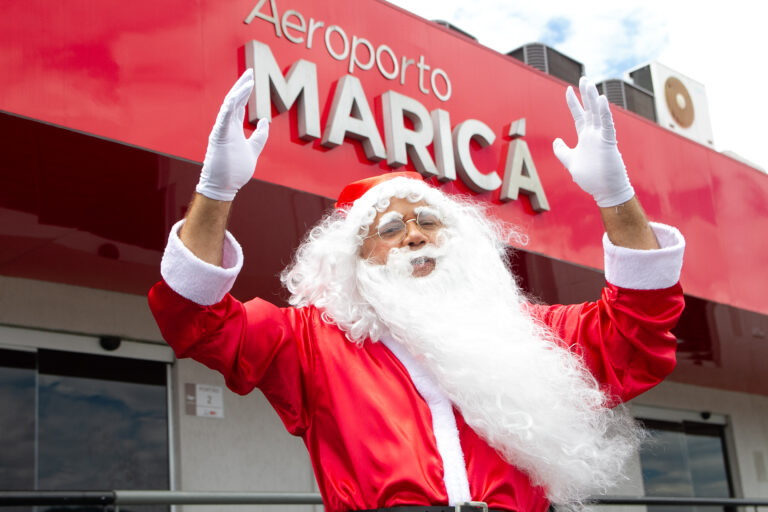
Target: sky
(717,44)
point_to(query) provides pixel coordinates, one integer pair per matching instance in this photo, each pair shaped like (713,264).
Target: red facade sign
(152,74)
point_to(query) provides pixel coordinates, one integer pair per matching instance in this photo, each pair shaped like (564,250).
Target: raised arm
(596,166)
(627,226)
(229,163)
(252,343)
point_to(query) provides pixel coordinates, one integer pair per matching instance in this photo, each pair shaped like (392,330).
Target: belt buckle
(475,504)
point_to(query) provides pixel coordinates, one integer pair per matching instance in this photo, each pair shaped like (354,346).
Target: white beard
(525,395)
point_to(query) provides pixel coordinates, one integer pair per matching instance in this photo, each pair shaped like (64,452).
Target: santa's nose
(414,237)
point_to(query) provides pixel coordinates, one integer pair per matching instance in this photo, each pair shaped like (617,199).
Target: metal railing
(117,498)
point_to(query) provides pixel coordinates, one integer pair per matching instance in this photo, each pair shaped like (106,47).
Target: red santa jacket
(368,431)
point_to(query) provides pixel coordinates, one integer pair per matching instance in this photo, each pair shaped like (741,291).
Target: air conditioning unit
(633,98)
(448,24)
(550,61)
(681,103)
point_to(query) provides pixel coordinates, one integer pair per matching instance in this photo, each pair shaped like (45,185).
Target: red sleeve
(624,337)
(251,344)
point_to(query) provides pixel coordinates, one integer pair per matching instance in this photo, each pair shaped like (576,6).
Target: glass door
(73,421)
(685,459)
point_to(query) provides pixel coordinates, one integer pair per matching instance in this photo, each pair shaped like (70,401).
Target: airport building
(105,110)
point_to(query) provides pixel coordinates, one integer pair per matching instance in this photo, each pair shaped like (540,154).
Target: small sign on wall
(204,400)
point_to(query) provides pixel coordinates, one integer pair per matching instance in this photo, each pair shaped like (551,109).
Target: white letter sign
(300,84)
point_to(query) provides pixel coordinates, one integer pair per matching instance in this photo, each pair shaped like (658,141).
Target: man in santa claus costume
(410,363)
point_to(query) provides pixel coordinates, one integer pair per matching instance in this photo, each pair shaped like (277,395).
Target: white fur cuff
(646,269)
(195,279)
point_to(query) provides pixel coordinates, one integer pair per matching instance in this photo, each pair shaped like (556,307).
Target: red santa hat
(356,189)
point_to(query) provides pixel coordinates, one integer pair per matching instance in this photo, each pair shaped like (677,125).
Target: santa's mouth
(422,266)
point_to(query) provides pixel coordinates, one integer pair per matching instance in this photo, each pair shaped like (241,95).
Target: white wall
(75,309)
(246,450)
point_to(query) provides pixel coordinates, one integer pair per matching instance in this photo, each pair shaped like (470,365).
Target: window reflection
(685,459)
(82,422)
(17,422)
(100,434)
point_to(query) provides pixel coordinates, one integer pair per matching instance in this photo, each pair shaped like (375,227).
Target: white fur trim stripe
(646,270)
(195,279)
(443,424)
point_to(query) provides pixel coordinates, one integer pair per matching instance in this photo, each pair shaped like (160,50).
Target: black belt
(469,506)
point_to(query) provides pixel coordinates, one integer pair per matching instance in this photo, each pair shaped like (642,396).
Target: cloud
(556,31)
(636,39)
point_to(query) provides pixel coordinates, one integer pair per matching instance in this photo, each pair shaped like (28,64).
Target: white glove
(595,163)
(231,158)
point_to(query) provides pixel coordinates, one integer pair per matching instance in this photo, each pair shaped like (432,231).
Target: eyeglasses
(395,230)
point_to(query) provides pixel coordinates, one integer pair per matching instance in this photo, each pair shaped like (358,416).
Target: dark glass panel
(17,422)
(684,460)
(102,423)
(665,466)
(697,333)
(91,366)
(709,470)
